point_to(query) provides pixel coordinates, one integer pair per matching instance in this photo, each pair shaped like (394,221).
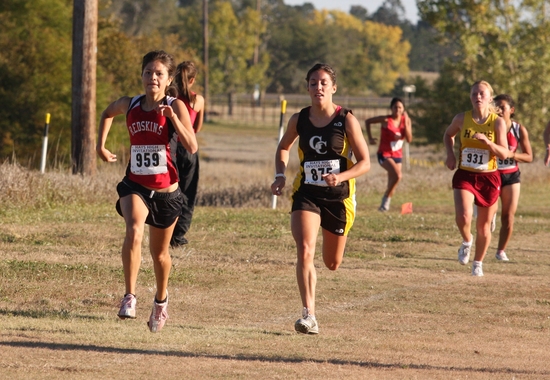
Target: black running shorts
(510,178)
(164,208)
(337,211)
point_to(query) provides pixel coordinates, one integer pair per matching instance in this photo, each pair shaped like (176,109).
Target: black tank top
(324,149)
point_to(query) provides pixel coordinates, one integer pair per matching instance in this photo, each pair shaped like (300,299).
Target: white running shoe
(502,256)
(127,307)
(159,315)
(477,269)
(385,205)
(307,325)
(464,254)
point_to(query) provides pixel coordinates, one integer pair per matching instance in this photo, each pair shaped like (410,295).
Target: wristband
(280,175)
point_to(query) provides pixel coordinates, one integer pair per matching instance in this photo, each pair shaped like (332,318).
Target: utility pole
(84,63)
(205,57)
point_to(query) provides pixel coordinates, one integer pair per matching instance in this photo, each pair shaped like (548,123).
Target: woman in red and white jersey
(187,162)
(396,128)
(517,137)
(149,193)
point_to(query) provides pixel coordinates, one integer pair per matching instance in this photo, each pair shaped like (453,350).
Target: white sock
(305,313)
(478,263)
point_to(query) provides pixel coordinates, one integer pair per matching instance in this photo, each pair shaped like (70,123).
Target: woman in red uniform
(324,189)
(508,168)
(187,162)
(149,193)
(396,128)
(482,140)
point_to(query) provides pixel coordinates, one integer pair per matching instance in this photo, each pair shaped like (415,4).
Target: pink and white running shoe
(159,315)
(127,307)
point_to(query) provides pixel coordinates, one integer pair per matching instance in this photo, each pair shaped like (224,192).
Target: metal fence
(243,108)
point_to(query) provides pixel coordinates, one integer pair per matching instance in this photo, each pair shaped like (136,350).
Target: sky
(411,12)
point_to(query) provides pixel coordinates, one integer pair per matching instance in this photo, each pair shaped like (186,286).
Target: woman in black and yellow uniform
(482,140)
(324,190)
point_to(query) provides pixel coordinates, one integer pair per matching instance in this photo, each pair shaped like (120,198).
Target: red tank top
(153,142)
(192,112)
(509,165)
(389,146)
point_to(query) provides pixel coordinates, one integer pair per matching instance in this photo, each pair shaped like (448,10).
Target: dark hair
(167,60)
(322,66)
(508,99)
(395,100)
(184,73)
(162,56)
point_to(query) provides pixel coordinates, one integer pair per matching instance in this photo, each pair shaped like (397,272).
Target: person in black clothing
(324,190)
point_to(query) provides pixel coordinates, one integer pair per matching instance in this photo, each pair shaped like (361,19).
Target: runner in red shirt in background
(396,128)
(517,137)
(187,162)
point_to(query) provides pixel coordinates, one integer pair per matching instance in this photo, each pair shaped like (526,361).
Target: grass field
(400,306)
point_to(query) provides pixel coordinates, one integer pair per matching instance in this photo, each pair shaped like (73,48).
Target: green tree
(359,12)
(293,45)
(35,76)
(432,116)
(391,12)
(142,17)
(372,56)
(426,54)
(368,56)
(232,42)
(501,41)
(236,36)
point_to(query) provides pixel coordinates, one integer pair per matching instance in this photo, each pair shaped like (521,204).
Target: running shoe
(477,269)
(494,222)
(175,243)
(158,317)
(464,254)
(307,325)
(502,256)
(127,307)
(385,205)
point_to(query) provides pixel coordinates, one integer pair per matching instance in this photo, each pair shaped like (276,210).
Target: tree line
(502,42)
(269,45)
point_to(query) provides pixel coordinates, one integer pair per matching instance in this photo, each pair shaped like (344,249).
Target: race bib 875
(314,170)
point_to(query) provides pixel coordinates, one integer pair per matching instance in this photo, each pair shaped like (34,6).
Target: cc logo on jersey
(318,145)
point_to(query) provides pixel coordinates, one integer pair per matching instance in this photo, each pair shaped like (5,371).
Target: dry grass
(400,307)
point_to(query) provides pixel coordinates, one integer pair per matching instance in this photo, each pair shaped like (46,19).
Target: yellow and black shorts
(336,206)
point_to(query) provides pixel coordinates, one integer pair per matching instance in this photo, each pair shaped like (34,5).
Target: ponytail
(185,72)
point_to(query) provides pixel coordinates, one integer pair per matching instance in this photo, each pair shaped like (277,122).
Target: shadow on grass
(62,314)
(265,359)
